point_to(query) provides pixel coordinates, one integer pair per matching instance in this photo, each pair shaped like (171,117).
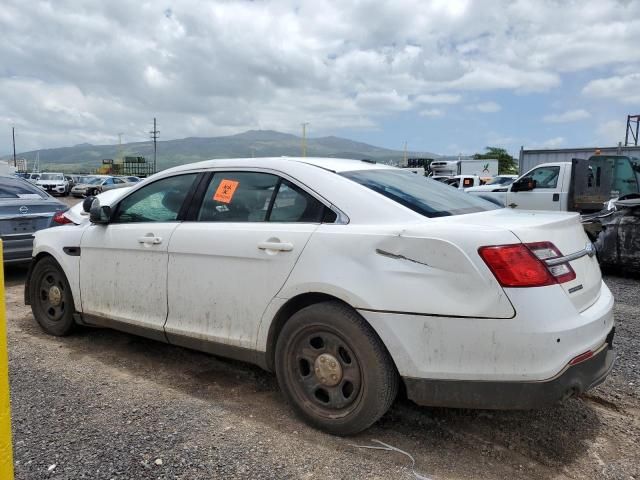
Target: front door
(123,264)
(547,195)
(227,265)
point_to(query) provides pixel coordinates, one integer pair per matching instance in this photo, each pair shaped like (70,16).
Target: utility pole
(154,136)
(405,154)
(304,138)
(13,134)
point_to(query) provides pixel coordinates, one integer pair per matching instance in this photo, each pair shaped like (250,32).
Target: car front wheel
(51,299)
(334,370)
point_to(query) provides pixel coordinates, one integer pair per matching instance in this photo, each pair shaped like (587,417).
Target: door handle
(281,246)
(513,205)
(150,239)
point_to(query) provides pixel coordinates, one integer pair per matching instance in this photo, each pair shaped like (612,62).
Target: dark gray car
(24,209)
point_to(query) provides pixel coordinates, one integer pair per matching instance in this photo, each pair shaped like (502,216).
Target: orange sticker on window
(226,189)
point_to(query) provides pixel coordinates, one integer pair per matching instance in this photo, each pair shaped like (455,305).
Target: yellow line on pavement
(6,452)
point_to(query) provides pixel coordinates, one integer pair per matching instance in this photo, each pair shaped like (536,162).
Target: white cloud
(611,132)
(431,112)
(554,142)
(485,107)
(439,98)
(208,68)
(623,88)
(568,116)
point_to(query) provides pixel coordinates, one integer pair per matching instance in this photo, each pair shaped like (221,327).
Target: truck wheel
(51,299)
(334,370)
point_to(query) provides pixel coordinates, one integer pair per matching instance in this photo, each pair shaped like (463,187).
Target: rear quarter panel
(426,268)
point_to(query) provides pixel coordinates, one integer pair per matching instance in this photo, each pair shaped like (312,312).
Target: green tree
(506,163)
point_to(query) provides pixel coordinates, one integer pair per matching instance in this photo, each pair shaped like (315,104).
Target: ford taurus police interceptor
(343,277)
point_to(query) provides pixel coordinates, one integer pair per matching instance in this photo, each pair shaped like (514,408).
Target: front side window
(159,201)
(420,194)
(546,177)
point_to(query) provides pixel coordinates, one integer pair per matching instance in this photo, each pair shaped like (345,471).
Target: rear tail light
(60,219)
(523,265)
(581,358)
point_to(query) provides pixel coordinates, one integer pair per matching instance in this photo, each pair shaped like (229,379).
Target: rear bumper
(572,380)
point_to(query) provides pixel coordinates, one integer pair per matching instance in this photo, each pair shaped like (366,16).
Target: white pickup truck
(580,185)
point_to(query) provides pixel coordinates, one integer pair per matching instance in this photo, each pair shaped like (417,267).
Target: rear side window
(18,188)
(238,197)
(259,197)
(420,194)
(293,204)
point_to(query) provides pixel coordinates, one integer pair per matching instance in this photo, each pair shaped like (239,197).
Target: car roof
(332,164)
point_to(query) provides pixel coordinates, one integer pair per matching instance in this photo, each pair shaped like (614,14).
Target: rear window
(17,188)
(420,194)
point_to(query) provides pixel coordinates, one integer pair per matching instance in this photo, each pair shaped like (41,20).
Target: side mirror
(86,203)
(523,185)
(99,214)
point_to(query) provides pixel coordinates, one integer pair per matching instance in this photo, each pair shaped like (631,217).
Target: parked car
(54,183)
(98,184)
(495,184)
(302,266)
(463,181)
(131,179)
(33,178)
(24,209)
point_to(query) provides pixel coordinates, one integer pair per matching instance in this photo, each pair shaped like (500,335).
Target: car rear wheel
(334,370)
(51,299)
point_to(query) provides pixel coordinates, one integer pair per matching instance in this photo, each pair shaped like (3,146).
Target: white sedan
(344,277)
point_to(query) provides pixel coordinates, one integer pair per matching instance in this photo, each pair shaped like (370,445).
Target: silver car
(98,184)
(24,209)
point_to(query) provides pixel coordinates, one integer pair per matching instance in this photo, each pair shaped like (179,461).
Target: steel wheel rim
(51,296)
(312,381)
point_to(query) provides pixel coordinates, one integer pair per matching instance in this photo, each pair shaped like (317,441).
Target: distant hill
(259,143)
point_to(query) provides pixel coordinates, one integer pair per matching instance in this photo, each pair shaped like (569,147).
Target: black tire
(367,381)
(51,298)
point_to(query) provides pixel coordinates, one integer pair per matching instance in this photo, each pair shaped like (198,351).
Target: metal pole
(626,135)
(13,134)
(155,145)
(304,138)
(6,450)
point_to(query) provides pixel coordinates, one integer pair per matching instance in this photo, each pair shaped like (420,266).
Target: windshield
(94,181)
(17,188)
(420,194)
(51,176)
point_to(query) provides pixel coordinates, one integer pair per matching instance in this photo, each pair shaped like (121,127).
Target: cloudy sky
(446,76)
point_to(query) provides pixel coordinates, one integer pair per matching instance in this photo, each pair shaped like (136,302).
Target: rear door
(123,265)
(228,264)
(547,195)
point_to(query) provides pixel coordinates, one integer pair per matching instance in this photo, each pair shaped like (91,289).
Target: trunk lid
(562,229)
(26,215)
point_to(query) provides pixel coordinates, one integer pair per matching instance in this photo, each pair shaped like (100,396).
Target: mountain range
(259,143)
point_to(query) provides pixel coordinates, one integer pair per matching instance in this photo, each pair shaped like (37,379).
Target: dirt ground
(106,405)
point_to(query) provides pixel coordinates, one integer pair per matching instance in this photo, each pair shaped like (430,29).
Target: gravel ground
(106,405)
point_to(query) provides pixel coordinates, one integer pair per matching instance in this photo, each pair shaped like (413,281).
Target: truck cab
(580,185)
